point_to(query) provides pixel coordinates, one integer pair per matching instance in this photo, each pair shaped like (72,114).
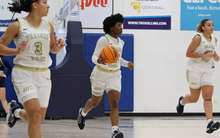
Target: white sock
(114,128)
(83,113)
(181,102)
(16,113)
(209,120)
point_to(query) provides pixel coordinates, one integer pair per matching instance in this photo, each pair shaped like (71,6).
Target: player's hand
(1,73)
(101,60)
(216,57)
(4,75)
(59,44)
(130,65)
(22,47)
(209,55)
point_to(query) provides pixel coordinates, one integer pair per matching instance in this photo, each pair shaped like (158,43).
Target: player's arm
(123,62)
(216,56)
(55,45)
(10,33)
(126,63)
(193,45)
(7,64)
(101,43)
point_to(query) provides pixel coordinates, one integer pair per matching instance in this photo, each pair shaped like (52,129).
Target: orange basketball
(110,53)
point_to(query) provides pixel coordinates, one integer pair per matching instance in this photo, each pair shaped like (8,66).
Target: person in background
(4,63)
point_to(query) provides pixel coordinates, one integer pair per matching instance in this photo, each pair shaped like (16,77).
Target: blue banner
(163,23)
(194,11)
(4,23)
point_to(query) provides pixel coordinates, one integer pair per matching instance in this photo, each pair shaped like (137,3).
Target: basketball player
(34,39)
(107,76)
(4,63)
(200,71)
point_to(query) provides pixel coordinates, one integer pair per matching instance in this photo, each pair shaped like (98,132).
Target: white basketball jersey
(202,64)
(119,45)
(36,54)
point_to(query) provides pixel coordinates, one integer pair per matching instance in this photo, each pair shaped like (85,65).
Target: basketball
(110,53)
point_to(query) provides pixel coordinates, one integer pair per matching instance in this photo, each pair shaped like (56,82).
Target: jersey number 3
(38,50)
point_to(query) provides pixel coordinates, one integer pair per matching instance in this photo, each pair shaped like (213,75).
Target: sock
(209,120)
(16,113)
(83,113)
(114,128)
(181,102)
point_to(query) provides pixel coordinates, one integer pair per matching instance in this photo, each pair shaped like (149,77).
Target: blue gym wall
(126,101)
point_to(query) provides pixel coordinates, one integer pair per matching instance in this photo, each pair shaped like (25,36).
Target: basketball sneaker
(81,120)
(180,107)
(117,134)
(212,126)
(10,118)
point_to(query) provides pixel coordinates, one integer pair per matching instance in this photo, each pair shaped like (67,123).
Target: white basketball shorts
(196,80)
(29,85)
(101,81)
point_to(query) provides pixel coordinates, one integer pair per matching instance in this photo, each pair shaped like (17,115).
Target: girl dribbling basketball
(107,76)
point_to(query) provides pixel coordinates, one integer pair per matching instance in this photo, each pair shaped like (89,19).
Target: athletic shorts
(29,85)
(2,82)
(101,81)
(196,80)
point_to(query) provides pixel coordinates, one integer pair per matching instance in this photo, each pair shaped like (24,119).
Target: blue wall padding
(127,101)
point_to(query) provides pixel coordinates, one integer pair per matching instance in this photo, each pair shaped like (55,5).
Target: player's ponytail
(21,5)
(199,28)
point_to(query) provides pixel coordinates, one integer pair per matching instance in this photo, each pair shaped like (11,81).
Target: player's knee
(194,100)
(207,96)
(35,116)
(114,103)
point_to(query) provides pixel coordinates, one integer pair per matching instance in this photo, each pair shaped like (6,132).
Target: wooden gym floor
(132,127)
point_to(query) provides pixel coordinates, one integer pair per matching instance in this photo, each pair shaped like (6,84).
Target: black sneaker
(10,118)
(81,120)
(180,107)
(117,134)
(212,126)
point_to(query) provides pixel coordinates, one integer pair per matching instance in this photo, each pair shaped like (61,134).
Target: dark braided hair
(199,28)
(21,5)
(111,21)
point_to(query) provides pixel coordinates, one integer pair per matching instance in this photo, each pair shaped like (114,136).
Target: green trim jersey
(109,40)
(36,54)
(202,65)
